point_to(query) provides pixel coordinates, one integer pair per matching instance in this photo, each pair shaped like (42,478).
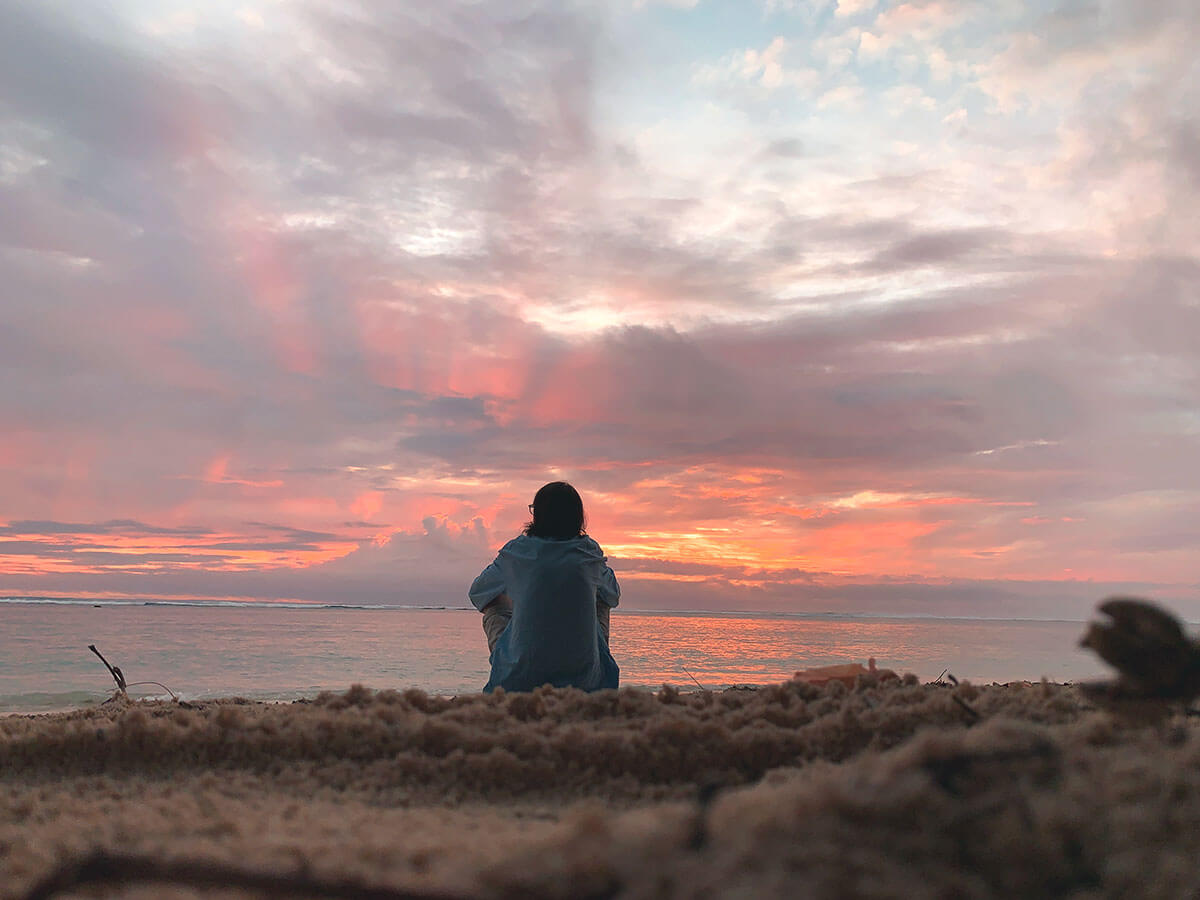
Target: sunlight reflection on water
(719,651)
(266,652)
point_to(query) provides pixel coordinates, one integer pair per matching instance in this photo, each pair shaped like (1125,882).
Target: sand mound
(883,790)
(628,744)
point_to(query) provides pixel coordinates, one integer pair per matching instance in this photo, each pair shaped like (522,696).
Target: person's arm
(608,595)
(487,587)
(488,595)
(608,592)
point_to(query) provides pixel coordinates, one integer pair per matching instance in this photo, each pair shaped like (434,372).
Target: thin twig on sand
(156,684)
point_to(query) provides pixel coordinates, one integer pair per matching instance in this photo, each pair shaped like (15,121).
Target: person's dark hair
(557,512)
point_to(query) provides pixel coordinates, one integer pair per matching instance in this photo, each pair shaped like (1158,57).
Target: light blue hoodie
(554,637)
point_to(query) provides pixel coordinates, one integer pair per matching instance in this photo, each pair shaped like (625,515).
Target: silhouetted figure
(546,600)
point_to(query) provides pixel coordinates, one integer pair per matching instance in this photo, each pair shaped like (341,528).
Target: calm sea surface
(265,651)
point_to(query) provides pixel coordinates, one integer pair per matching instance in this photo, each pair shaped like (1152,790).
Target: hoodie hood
(547,550)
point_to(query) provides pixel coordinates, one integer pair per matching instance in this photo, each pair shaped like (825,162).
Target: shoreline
(306,697)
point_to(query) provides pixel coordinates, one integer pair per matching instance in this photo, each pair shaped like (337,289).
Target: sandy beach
(878,790)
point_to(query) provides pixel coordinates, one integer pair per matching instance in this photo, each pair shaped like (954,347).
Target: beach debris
(847,673)
(119,678)
(116,673)
(1154,658)
(102,867)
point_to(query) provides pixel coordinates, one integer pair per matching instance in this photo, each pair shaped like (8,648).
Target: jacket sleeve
(608,592)
(487,587)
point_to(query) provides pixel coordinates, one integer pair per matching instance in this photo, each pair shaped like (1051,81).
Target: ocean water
(287,651)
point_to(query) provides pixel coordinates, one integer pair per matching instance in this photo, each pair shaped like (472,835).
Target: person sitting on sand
(546,600)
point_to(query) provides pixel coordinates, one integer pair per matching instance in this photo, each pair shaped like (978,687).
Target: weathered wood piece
(118,677)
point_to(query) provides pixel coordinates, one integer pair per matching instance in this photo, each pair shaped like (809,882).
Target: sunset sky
(842,305)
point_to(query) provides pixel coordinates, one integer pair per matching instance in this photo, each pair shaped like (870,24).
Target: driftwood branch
(119,678)
(102,867)
(112,670)
(693,677)
(174,696)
